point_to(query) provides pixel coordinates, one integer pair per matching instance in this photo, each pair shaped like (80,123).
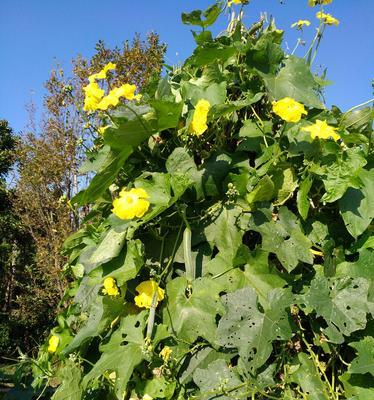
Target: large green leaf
(294,80)
(364,362)
(284,238)
(102,312)
(70,388)
(251,331)
(122,353)
(194,18)
(134,125)
(193,315)
(357,386)
(302,200)
(219,381)
(215,93)
(103,179)
(342,302)
(356,206)
(362,268)
(307,377)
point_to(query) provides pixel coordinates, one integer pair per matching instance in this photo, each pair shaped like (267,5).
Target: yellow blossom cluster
(94,95)
(146,291)
(198,125)
(131,204)
(165,353)
(110,287)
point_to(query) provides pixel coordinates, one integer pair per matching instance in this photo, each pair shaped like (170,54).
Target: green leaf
(109,247)
(219,381)
(183,171)
(356,206)
(307,377)
(122,353)
(102,312)
(134,125)
(364,362)
(194,17)
(250,330)
(342,302)
(362,268)
(125,267)
(224,231)
(302,200)
(158,388)
(294,80)
(70,388)
(215,93)
(194,315)
(360,387)
(285,183)
(263,191)
(210,53)
(167,113)
(358,120)
(266,54)
(103,179)
(284,238)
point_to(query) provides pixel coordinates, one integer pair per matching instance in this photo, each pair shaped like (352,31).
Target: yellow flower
(93,96)
(110,287)
(165,353)
(53,343)
(127,91)
(131,204)
(112,99)
(322,130)
(289,109)
(313,3)
(198,125)
(300,23)
(229,3)
(328,19)
(102,73)
(102,129)
(146,290)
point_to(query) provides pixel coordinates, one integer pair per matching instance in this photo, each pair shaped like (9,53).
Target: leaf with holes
(251,331)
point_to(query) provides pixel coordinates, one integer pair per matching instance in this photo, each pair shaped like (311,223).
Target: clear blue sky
(36,33)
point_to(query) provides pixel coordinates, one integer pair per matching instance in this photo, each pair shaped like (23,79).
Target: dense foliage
(228,252)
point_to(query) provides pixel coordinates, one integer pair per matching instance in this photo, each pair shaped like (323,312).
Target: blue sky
(35,34)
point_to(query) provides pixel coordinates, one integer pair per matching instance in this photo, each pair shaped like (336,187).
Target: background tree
(48,159)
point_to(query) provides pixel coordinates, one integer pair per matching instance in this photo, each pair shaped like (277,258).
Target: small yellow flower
(112,99)
(102,129)
(313,3)
(322,130)
(131,204)
(231,2)
(146,290)
(165,353)
(94,94)
(110,287)
(289,109)
(328,19)
(127,91)
(198,125)
(53,343)
(300,23)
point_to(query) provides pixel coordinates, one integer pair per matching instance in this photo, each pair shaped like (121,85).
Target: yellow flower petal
(289,109)
(165,353)
(146,290)
(300,23)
